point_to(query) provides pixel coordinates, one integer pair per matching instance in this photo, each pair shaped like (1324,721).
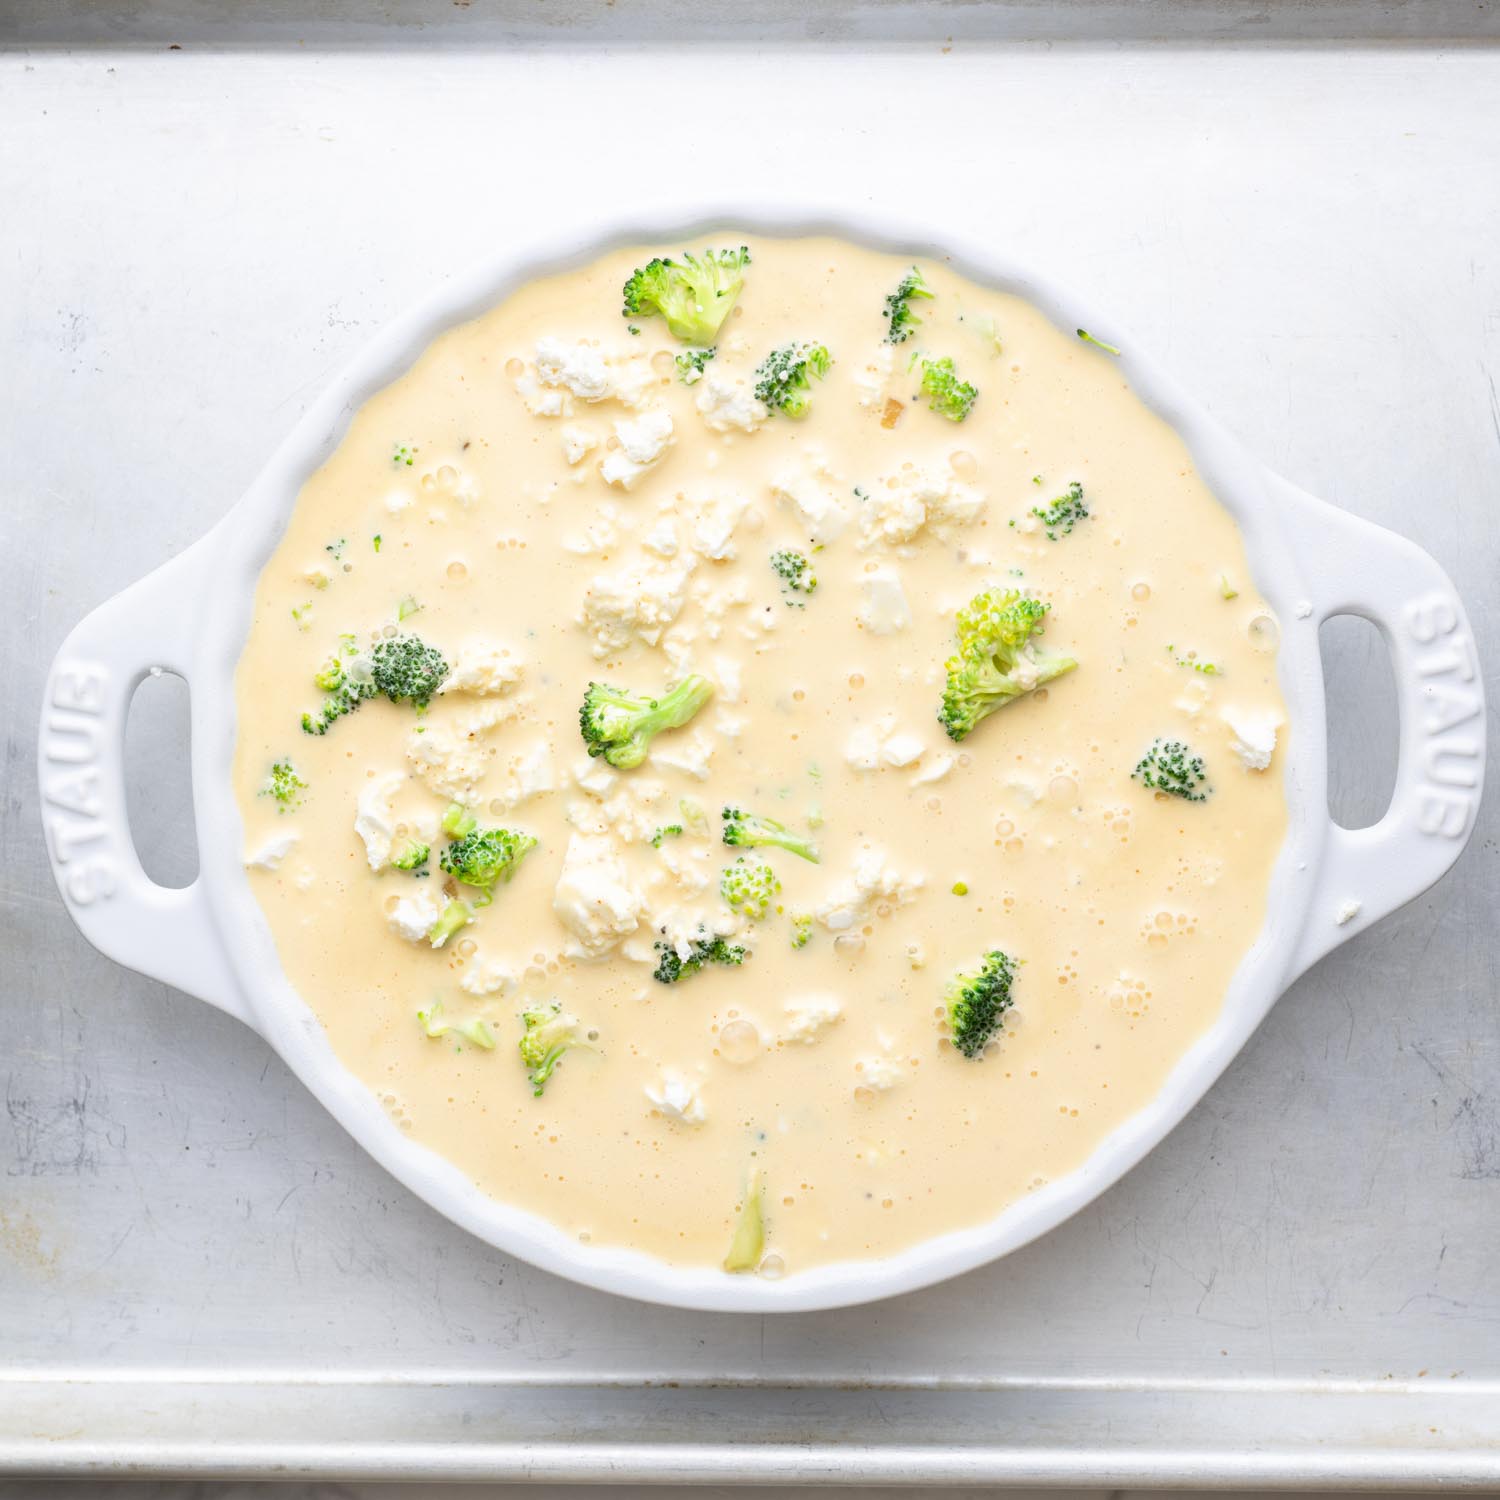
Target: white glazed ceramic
(1310,560)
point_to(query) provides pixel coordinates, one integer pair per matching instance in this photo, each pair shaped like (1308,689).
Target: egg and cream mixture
(769,806)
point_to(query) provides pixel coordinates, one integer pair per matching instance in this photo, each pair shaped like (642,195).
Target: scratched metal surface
(199,1273)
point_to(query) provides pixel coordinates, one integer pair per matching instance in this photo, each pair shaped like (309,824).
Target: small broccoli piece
(485,858)
(1227,590)
(1170,767)
(1192,662)
(997,660)
(795,573)
(375,541)
(976,1003)
(945,392)
(690,365)
(458,820)
(693,294)
(409,605)
(550,1032)
(672,968)
(405,668)
(1063,514)
(749,886)
(285,785)
(408,853)
(455,916)
(750,1231)
(1089,338)
(405,454)
(665,832)
(802,930)
(694,819)
(347,679)
(620,727)
(785,376)
(744,830)
(898,310)
(475,1031)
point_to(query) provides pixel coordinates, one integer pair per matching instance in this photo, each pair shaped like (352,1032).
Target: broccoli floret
(690,365)
(750,1231)
(749,886)
(408,853)
(744,830)
(1089,338)
(802,930)
(550,1032)
(671,968)
(475,1031)
(693,294)
(1063,514)
(945,392)
(620,727)
(977,1002)
(455,916)
(795,573)
(347,679)
(1170,767)
(486,857)
(665,832)
(405,454)
(997,659)
(784,379)
(285,785)
(406,668)
(898,310)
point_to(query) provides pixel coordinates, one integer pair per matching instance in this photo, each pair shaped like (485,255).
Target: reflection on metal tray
(198,1272)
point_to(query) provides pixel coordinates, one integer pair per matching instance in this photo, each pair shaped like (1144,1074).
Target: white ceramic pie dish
(191,617)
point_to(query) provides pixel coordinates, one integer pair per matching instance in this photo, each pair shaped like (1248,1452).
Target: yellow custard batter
(546,502)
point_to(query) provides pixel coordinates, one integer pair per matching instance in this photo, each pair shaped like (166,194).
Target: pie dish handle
(1357,568)
(168,934)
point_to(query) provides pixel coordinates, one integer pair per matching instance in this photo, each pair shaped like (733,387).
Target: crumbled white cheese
(820,513)
(1347,912)
(726,402)
(583,371)
(728,683)
(450,756)
(689,865)
(1194,697)
(487,976)
(662,538)
(413,915)
(809,1016)
(894,513)
(878,1074)
(398,500)
(933,768)
(273,851)
(1304,610)
(871,381)
(677,1098)
(880,743)
(594,899)
(882,607)
(597,535)
(635,603)
(1252,736)
(482,668)
(594,775)
(684,752)
(374,821)
(872,883)
(712,523)
(528,773)
(631,812)
(642,441)
(578,442)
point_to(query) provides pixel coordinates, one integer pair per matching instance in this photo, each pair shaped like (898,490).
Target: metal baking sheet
(1298,206)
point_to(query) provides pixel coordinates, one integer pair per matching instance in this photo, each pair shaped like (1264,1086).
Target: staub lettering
(71,782)
(1450,759)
